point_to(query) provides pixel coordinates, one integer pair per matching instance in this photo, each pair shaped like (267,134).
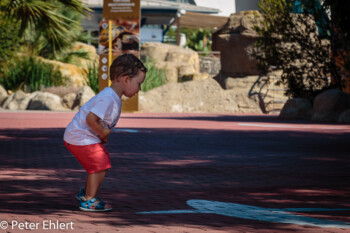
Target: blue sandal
(94,204)
(81,194)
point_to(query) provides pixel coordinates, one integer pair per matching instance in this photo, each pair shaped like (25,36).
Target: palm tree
(44,18)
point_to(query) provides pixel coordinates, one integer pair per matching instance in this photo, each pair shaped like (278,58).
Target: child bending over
(91,126)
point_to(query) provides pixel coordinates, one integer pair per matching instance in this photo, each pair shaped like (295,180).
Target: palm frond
(77,5)
(44,15)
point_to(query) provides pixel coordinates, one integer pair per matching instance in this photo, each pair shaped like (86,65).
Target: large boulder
(23,105)
(183,56)
(235,40)
(68,100)
(210,65)
(13,101)
(176,61)
(156,51)
(45,101)
(84,95)
(62,90)
(201,76)
(192,96)
(170,69)
(3,95)
(201,96)
(244,102)
(18,100)
(74,76)
(344,117)
(297,108)
(329,105)
(264,89)
(92,56)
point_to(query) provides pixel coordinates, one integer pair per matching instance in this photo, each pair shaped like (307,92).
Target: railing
(163,2)
(169,40)
(267,93)
(209,53)
(143,2)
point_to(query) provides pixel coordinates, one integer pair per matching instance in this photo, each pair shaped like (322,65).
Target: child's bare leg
(93,183)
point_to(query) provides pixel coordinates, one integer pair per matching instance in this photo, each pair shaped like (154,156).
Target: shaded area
(233,118)
(161,169)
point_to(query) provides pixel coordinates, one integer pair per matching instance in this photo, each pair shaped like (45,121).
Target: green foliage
(196,39)
(9,42)
(70,56)
(87,38)
(47,24)
(38,38)
(340,35)
(93,76)
(31,28)
(290,42)
(171,32)
(31,74)
(39,28)
(154,78)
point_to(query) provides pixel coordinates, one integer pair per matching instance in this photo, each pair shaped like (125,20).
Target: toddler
(91,126)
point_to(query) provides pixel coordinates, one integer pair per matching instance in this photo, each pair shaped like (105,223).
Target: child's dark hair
(126,65)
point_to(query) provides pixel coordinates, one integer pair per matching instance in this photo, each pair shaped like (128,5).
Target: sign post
(119,33)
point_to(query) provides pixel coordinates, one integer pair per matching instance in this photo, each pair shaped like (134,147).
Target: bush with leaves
(9,42)
(291,43)
(43,24)
(198,39)
(31,74)
(154,78)
(45,28)
(340,36)
(93,76)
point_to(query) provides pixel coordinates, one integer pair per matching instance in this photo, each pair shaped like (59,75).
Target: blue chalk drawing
(257,213)
(126,130)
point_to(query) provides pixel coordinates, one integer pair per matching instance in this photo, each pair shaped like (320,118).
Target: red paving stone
(245,159)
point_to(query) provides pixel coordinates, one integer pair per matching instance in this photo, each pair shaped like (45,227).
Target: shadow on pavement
(160,169)
(233,118)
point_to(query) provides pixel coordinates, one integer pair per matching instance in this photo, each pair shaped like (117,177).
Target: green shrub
(30,74)
(93,77)
(155,77)
(198,39)
(292,43)
(9,42)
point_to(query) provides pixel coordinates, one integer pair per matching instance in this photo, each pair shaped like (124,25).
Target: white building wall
(246,5)
(226,7)
(151,33)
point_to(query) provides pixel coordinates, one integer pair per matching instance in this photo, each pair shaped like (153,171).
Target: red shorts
(93,158)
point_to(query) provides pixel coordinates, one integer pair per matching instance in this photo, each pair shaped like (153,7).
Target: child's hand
(104,139)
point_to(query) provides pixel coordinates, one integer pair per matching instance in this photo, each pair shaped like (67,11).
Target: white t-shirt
(106,105)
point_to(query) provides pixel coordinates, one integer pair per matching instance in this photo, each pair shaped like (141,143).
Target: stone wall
(176,61)
(235,40)
(210,65)
(250,94)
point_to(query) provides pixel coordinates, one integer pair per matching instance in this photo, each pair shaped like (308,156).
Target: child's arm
(93,122)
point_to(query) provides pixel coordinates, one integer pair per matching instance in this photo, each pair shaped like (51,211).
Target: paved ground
(207,173)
